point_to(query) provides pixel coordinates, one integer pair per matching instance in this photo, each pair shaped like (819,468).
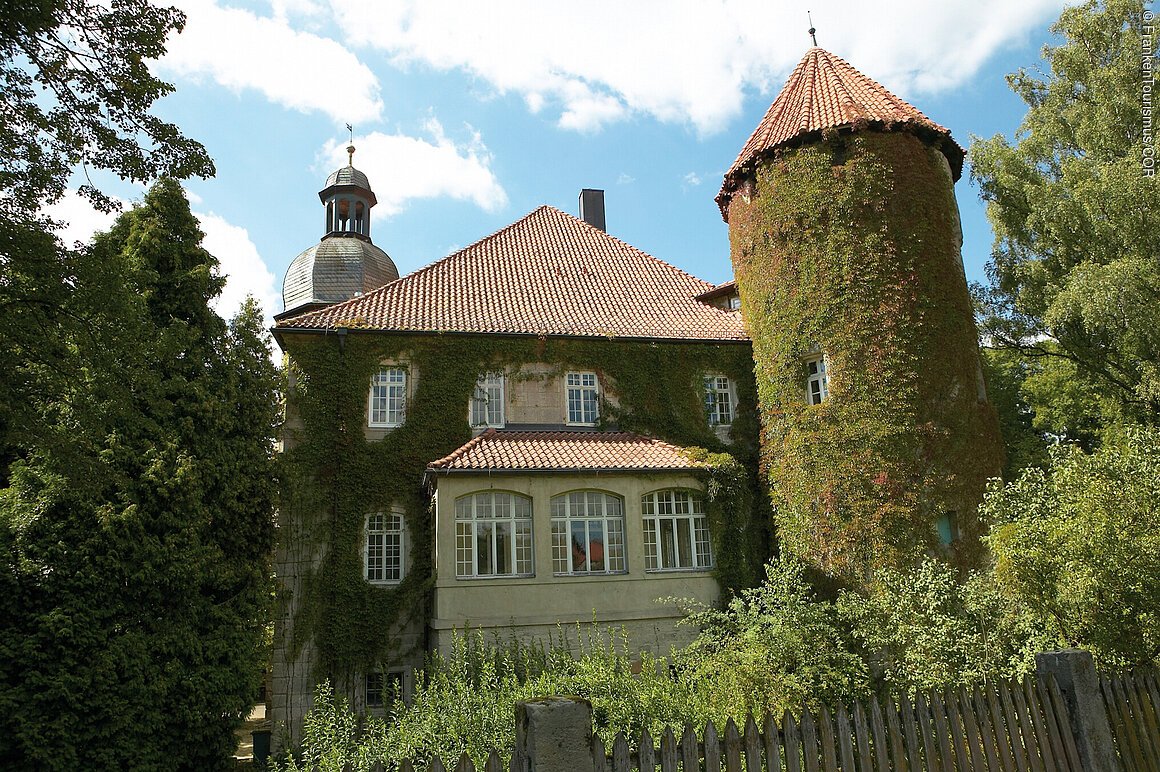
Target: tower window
(583,398)
(817,382)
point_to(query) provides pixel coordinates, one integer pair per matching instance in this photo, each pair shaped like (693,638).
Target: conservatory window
(587,533)
(493,535)
(676,531)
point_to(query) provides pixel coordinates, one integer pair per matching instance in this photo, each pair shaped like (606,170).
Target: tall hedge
(850,247)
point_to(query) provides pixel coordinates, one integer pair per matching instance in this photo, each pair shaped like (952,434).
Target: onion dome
(345,263)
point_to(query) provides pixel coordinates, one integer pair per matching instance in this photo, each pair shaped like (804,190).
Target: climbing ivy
(335,476)
(850,247)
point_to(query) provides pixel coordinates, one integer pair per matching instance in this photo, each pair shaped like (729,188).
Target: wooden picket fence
(1132,702)
(1012,726)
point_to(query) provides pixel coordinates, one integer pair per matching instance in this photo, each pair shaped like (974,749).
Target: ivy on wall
(851,247)
(334,476)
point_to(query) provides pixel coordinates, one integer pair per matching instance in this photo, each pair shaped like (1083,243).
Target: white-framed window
(817,382)
(381,689)
(676,531)
(734,302)
(388,399)
(583,398)
(718,400)
(383,548)
(587,533)
(493,535)
(487,401)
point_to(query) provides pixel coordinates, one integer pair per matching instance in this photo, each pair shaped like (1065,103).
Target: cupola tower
(345,263)
(877,434)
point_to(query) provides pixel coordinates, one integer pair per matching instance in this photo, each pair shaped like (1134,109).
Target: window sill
(490,577)
(589,574)
(699,570)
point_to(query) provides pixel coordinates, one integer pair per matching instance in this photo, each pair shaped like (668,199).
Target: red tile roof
(826,92)
(549,451)
(546,274)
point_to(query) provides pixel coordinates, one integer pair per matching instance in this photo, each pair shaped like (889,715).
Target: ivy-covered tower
(877,435)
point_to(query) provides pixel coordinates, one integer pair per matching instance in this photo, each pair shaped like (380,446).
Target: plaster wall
(543,605)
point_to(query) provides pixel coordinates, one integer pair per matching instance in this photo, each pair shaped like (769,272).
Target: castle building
(551,427)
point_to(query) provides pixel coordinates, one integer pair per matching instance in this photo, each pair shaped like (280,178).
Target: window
(587,533)
(718,400)
(487,402)
(583,398)
(817,382)
(734,302)
(388,400)
(493,535)
(381,688)
(676,531)
(948,529)
(383,552)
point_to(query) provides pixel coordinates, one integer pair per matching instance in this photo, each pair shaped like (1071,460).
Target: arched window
(343,214)
(676,531)
(493,535)
(383,549)
(587,533)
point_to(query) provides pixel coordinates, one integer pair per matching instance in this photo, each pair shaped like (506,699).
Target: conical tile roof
(825,92)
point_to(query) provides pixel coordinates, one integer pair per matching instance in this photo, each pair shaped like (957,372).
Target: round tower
(345,263)
(877,435)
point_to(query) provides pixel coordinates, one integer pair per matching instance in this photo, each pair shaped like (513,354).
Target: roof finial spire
(350,147)
(813,37)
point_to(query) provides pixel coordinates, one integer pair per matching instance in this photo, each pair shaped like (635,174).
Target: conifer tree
(136,533)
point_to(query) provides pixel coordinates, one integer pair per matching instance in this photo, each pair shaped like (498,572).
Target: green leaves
(1079,546)
(137,529)
(1074,272)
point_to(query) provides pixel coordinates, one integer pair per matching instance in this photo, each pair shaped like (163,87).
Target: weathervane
(350,147)
(813,37)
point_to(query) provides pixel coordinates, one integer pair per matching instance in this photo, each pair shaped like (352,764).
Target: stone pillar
(554,734)
(1075,672)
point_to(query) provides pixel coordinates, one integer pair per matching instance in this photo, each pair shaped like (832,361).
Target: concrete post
(1075,672)
(554,734)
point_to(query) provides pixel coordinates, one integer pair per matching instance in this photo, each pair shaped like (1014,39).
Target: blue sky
(469,115)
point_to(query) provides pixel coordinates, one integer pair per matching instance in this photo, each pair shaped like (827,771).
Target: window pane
(650,544)
(668,544)
(684,543)
(579,546)
(595,545)
(484,558)
(503,547)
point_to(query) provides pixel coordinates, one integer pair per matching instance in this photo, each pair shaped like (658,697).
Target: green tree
(1078,546)
(927,628)
(1075,278)
(772,647)
(137,530)
(75,91)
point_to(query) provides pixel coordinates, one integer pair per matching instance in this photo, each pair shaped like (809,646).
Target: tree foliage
(75,91)
(1075,277)
(1078,546)
(137,528)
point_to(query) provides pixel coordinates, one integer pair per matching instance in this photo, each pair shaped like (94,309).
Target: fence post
(554,734)
(1075,672)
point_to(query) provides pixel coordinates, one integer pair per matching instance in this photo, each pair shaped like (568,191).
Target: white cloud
(299,70)
(245,271)
(625,179)
(683,60)
(692,179)
(79,219)
(401,168)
